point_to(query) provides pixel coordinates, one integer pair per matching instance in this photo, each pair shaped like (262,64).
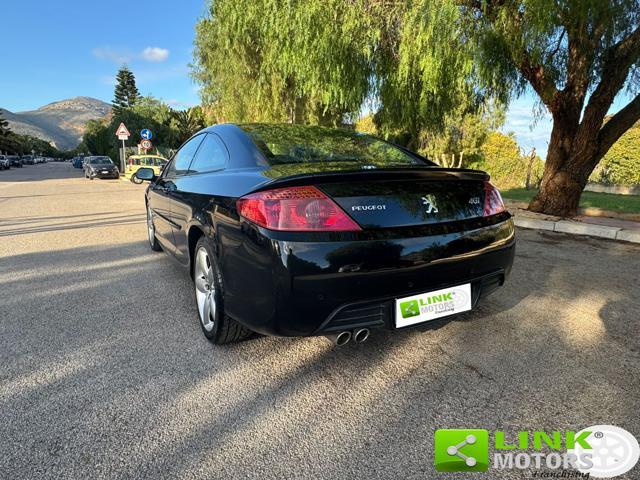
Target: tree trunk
(569,163)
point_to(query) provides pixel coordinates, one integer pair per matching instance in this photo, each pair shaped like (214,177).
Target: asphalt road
(104,372)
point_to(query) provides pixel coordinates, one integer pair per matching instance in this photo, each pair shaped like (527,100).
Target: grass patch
(605,201)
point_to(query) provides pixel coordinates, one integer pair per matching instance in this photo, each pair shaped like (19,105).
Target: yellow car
(134,162)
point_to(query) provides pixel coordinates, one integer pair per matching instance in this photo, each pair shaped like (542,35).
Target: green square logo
(409,309)
(458,450)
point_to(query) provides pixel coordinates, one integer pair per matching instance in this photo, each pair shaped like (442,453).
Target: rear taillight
(492,200)
(301,209)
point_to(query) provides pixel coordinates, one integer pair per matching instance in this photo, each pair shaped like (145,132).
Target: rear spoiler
(377,174)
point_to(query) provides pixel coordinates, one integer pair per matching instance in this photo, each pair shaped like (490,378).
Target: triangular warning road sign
(122,131)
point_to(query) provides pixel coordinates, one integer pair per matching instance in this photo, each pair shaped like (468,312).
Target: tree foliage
(148,112)
(577,56)
(463,134)
(319,61)
(187,122)
(621,164)
(501,158)
(13,143)
(419,62)
(126,92)
(250,60)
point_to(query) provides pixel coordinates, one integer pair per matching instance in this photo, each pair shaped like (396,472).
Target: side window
(211,156)
(183,157)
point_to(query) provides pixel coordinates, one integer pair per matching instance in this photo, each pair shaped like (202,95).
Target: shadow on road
(27,227)
(104,371)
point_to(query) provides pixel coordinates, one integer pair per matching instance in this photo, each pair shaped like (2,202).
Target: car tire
(151,230)
(217,326)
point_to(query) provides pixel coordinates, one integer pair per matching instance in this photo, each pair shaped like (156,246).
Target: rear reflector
(297,209)
(492,200)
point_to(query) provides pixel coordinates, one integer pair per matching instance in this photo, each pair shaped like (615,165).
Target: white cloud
(155,54)
(123,55)
(112,54)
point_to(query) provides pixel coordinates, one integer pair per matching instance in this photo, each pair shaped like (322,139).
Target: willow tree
(316,61)
(280,61)
(417,61)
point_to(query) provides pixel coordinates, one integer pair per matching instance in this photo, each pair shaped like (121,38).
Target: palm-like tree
(188,122)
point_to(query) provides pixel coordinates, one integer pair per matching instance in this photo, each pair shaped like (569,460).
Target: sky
(534,130)
(53,50)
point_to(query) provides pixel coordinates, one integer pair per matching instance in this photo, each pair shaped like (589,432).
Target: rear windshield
(100,161)
(287,144)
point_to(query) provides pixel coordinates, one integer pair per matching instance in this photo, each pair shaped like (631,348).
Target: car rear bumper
(284,288)
(105,175)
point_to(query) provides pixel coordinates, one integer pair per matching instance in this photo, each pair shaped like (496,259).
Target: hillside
(60,123)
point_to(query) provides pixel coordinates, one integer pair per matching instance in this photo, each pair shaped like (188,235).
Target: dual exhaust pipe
(359,335)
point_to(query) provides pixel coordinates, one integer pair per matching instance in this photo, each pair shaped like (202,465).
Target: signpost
(146,135)
(123,134)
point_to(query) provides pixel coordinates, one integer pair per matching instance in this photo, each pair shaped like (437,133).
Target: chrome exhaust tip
(340,338)
(361,335)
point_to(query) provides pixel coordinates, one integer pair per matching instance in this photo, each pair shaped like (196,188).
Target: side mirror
(145,173)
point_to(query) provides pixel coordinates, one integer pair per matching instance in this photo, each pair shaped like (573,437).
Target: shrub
(500,157)
(621,164)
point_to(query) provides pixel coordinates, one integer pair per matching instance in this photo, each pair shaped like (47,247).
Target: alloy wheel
(205,289)
(150,227)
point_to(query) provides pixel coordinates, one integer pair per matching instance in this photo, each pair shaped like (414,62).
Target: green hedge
(621,164)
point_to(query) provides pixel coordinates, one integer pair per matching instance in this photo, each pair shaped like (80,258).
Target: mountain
(60,123)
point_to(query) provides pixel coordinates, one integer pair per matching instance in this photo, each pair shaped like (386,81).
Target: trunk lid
(398,197)
(406,203)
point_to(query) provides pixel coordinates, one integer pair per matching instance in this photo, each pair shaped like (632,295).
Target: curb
(578,228)
(586,211)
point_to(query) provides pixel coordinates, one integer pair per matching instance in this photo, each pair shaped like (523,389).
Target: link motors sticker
(600,451)
(432,305)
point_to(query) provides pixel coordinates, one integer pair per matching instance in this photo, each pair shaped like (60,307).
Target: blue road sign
(146,134)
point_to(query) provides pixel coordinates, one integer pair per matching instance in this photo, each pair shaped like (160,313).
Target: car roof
(247,154)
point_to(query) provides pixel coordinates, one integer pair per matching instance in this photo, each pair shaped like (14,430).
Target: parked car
(100,167)
(28,160)
(295,230)
(155,162)
(16,161)
(5,164)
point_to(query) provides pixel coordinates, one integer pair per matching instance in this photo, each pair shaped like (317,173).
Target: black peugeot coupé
(297,230)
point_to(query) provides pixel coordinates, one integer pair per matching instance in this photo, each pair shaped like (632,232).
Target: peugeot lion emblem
(429,201)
